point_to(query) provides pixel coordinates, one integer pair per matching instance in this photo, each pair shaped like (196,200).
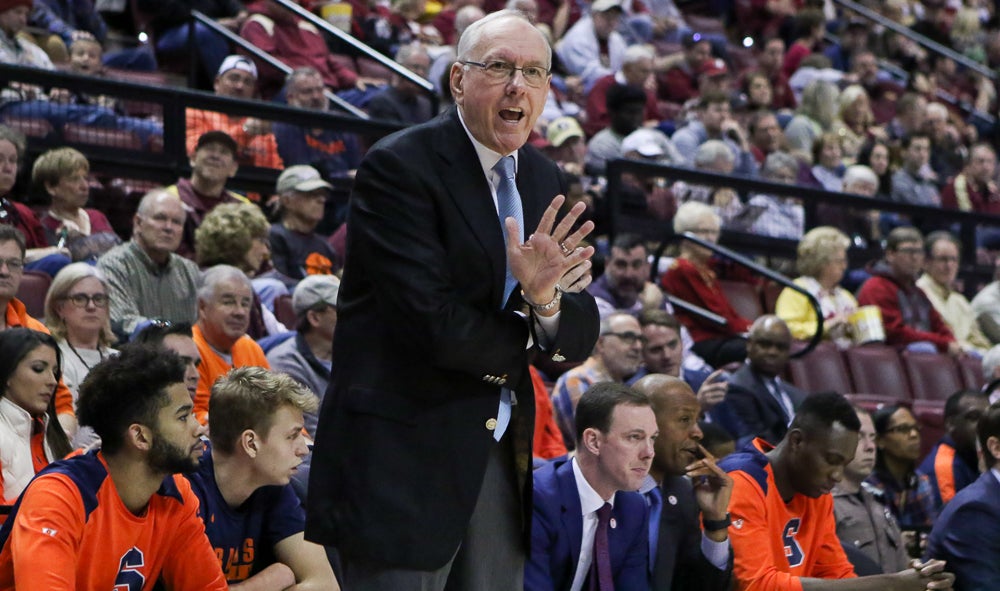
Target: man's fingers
(566,224)
(549,217)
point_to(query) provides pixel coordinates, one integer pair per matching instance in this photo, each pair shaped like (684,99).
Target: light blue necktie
(508,205)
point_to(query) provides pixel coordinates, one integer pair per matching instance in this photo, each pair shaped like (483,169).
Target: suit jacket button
(491,424)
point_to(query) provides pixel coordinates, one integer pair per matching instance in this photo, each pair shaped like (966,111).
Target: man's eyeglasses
(503,71)
(13,265)
(904,429)
(629,338)
(81,300)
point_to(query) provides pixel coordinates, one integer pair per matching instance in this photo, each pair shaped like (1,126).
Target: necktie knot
(505,167)
(604,513)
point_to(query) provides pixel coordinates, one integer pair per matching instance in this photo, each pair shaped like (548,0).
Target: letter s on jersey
(793,552)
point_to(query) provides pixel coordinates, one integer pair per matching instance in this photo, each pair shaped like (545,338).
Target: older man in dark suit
(759,403)
(688,496)
(421,467)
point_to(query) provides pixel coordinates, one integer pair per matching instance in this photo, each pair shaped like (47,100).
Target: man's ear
(456,81)
(993,446)
(795,439)
(591,440)
(139,436)
(249,442)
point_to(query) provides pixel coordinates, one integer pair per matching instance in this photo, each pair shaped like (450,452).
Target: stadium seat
(744,298)
(930,415)
(823,369)
(769,296)
(933,376)
(29,126)
(873,402)
(876,369)
(971,370)
(34,286)
(284,311)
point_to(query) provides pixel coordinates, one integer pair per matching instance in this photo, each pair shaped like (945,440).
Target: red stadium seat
(823,369)
(930,415)
(769,295)
(933,376)
(34,286)
(873,402)
(744,298)
(971,370)
(29,126)
(876,369)
(101,136)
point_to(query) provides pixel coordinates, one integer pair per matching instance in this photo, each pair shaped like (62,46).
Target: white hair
(472,38)
(213,276)
(690,214)
(859,173)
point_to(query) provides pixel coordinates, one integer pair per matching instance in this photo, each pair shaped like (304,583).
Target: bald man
(763,402)
(684,488)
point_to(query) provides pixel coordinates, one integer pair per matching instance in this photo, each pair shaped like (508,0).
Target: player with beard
(119,517)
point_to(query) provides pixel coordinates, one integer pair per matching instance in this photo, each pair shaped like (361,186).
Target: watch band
(716,524)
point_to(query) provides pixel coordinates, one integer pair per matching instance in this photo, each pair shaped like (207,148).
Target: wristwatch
(716,524)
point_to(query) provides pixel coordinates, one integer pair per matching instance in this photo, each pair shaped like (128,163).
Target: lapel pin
(672,500)
(613,523)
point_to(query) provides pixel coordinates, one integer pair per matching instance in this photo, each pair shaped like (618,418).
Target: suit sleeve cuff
(717,553)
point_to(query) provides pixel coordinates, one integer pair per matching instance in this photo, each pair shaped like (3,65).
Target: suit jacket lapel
(572,520)
(469,190)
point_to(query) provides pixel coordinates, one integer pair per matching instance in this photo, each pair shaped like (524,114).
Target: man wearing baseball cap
(308,356)
(256,146)
(593,48)
(212,164)
(297,250)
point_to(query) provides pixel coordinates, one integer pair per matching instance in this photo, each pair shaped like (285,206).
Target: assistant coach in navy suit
(967,533)
(615,430)
(420,473)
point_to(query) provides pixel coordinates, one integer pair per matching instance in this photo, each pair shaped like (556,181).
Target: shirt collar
(590,501)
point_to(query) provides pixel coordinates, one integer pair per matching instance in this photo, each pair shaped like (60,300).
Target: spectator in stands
(213,163)
(86,233)
(616,357)
(15,315)
(696,491)
(827,171)
(648,193)
(334,153)
(966,533)
(297,43)
(986,307)
(715,122)
(38,256)
(822,260)
(225,298)
(176,338)
(808,28)
(30,434)
(664,352)
(637,67)
(69,20)
(860,510)
(991,373)
(953,463)
(877,155)
(975,187)
(691,278)
(463,17)
(256,146)
(615,437)
(814,117)
(814,67)
(567,146)
(296,249)
(914,182)
(784,527)
(855,122)
(308,355)
(713,156)
(386,28)
(780,217)
(170,21)
(758,93)
(861,226)
(883,93)
(593,48)
(243,482)
(854,37)
(626,108)
(76,312)
(237,234)
(943,259)
(908,316)
(908,493)
(146,278)
(765,135)
(948,148)
(911,109)
(624,286)
(762,403)
(132,518)
(679,83)
(403,101)
(769,62)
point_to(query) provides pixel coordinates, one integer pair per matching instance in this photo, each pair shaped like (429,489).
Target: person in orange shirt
(224,302)
(237,78)
(12,251)
(783,531)
(30,437)
(120,517)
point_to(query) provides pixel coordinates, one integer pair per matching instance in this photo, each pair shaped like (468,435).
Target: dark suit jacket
(421,343)
(557,532)
(753,411)
(967,535)
(679,563)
